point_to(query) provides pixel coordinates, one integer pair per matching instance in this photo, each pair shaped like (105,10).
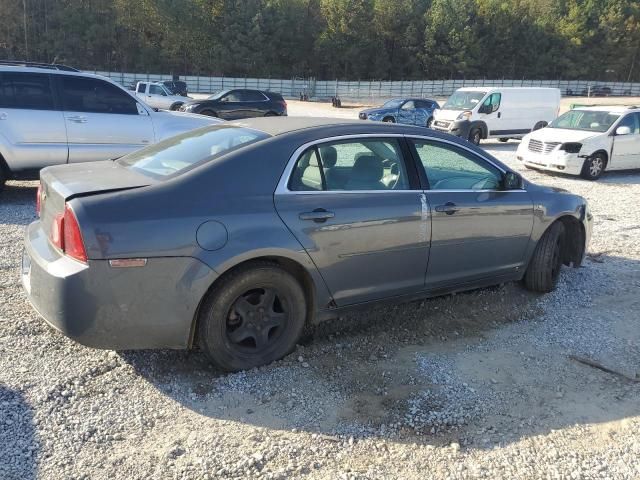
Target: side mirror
(484,108)
(512,181)
(623,131)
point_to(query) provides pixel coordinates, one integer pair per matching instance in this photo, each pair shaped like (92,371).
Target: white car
(51,117)
(156,95)
(585,141)
(476,113)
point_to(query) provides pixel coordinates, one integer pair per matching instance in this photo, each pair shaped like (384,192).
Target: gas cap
(212,235)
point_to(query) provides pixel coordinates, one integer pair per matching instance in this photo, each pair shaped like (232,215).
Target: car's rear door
(479,230)
(31,120)
(102,120)
(355,206)
(257,102)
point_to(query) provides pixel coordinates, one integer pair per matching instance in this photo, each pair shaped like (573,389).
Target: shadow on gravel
(19,445)
(18,203)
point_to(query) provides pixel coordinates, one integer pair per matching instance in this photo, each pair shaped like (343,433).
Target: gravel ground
(474,385)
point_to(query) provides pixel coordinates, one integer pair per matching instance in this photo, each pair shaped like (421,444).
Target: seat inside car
(366,174)
(334,178)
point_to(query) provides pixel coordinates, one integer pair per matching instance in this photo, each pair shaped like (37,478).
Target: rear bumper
(114,308)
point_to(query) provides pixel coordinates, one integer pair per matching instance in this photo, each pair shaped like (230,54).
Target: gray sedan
(235,237)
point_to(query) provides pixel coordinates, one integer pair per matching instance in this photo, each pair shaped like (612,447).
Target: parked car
(156,95)
(410,111)
(585,141)
(236,104)
(596,91)
(234,237)
(176,87)
(52,117)
(477,113)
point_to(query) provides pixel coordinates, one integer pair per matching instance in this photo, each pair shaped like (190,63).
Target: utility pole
(24,18)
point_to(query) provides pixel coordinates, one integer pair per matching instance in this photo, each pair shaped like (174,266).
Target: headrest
(369,168)
(329,156)
(395,169)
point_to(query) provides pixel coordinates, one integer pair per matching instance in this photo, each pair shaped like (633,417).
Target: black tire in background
(539,125)
(270,114)
(593,166)
(252,318)
(503,140)
(208,113)
(175,106)
(475,135)
(3,176)
(545,265)
(429,122)
(389,120)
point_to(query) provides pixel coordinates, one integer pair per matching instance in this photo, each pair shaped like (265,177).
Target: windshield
(463,100)
(395,103)
(218,95)
(178,154)
(591,120)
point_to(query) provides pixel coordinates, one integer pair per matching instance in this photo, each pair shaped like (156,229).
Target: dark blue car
(410,111)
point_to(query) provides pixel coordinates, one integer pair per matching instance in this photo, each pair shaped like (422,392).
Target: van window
(26,91)
(493,102)
(463,100)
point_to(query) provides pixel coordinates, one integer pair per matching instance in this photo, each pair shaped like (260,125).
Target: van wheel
(252,318)
(544,267)
(539,125)
(475,135)
(593,166)
(429,122)
(503,140)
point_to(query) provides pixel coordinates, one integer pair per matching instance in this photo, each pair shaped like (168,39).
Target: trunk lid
(64,182)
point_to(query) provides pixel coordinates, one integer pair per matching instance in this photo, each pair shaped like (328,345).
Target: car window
(142,88)
(232,97)
(451,168)
(410,105)
(81,94)
(592,120)
(493,101)
(423,104)
(252,96)
(26,91)
(631,121)
(157,90)
(351,165)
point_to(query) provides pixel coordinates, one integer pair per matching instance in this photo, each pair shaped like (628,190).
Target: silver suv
(52,117)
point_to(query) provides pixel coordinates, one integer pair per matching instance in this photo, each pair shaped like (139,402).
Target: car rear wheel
(539,125)
(503,140)
(253,318)
(175,106)
(389,120)
(593,166)
(270,114)
(546,263)
(209,113)
(475,135)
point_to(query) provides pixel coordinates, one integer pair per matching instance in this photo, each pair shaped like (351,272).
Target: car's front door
(102,120)
(232,107)
(31,120)
(355,207)
(407,113)
(492,116)
(479,229)
(157,97)
(626,148)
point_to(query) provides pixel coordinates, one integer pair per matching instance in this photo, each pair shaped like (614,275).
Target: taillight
(39,200)
(66,235)
(73,244)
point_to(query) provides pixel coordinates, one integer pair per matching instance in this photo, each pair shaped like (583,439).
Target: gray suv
(52,117)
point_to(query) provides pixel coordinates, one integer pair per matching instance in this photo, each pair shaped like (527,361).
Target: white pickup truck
(156,95)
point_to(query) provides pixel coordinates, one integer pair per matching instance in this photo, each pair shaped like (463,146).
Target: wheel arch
(293,267)
(603,152)
(482,126)
(574,245)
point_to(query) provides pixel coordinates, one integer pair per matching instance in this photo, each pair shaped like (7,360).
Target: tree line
(327,39)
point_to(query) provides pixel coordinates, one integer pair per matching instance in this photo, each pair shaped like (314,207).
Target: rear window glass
(179,154)
(26,91)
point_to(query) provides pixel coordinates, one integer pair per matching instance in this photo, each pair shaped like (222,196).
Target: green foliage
(347,39)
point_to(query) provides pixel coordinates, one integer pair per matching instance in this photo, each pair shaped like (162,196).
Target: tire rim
(596,166)
(256,320)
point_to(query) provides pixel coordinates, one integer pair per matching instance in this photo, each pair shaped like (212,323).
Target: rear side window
(30,91)
(179,154)
(141,88)
(351,165)
(81,94)
(252,96)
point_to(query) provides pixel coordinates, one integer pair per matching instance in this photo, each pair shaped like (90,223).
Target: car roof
(11,68)
(282,125)
(609,108)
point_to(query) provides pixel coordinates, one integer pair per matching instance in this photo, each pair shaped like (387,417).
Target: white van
(476,113)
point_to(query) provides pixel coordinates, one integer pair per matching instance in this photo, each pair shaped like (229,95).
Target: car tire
(539,125)
(429,122)
(270,114)
(546,263)
(475,135)
(175,106)
(389,120)
(503,140)
(593,166)
(233,317)
(208,113)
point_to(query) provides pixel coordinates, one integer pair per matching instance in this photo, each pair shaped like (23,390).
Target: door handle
(499,114)
(319,215)
(449,208)
(77,119)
